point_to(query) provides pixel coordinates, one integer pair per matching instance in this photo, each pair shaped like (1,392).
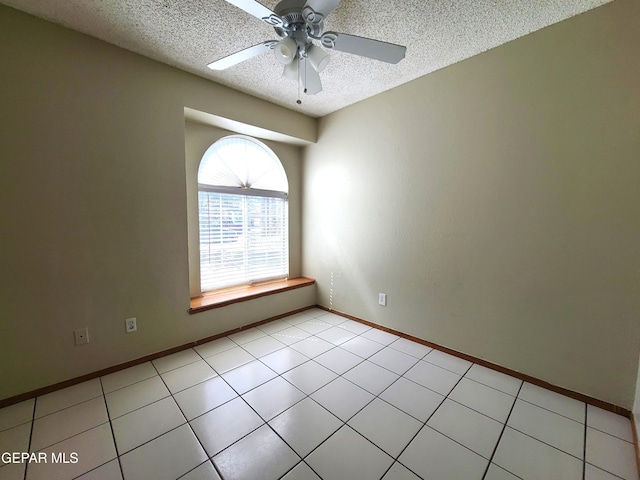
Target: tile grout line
(113,433)
(424,424)
(504,427)
(33,421)
(344,423)
(584,445)
(377,396)
(188,422)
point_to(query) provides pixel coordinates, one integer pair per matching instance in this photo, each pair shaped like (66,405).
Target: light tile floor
(311,396)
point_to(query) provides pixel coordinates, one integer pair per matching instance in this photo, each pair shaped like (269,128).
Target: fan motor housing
(291,13)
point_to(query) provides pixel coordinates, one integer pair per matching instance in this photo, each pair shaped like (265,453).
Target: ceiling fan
(299,23)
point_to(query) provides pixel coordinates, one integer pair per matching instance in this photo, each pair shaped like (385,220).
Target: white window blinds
(243,214)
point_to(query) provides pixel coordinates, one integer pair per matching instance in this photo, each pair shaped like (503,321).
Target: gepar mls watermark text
(39,457)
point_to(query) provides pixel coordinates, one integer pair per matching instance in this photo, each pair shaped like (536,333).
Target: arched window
(243,215)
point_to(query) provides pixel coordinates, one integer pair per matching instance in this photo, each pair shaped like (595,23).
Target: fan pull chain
(299,102)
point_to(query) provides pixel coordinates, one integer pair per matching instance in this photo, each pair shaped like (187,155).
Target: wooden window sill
(209,301)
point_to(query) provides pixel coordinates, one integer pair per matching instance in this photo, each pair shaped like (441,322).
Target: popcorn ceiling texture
(189,34)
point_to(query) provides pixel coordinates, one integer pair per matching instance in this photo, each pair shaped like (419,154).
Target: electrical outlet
(382,299)
(131,325)
(81,336)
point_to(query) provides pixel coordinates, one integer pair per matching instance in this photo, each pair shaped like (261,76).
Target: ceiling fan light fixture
(291,70)
(286,50)
(318,58)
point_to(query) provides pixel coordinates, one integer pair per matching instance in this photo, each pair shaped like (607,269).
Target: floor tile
(302,471)
(273,327)
(215,346)
(226,424)
(541,461)
(273,397)
(291,335)
(203,397)
(300,317)
(609,422)
(283,360)
(312,346)
(337,400)
(146,423)
(342,398)
(548,427)
(135,396)
(263,346)
(318,312)
(400,472)
(338,360)
(66,423)
(410,348)
(188,376)
(314,326)
(336,335)
(204,471)
(309,376)
(261,454)
(16,414)
(498,473)
(450,362)
(433,455)
(394,360)
(411,398)
(15,439)
(229,359)
(387,427)
(305,426)
(371,377)
(553,401)
(331,318)
(433,377)
(483,399)
(352,326)
(67,397)
(380,336)
(494,379)
(594,473)
(176,360)
(471,429)
(13,471)
(363,347)
(611,454)
(128,376)
(108,471)
(94,448)
(246,336)
(246,377)
(347,455)
(167,457)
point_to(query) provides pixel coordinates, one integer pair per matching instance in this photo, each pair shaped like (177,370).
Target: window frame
(245,191)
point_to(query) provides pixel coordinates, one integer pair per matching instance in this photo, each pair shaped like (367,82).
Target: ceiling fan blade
(242,55)
(309,77)
(258,10)
(323,7)
(365,47)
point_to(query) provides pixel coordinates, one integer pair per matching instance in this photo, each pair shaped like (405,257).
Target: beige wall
(496,202)
(93,203)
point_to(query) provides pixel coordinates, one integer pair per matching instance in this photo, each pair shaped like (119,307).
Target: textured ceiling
(189,34)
